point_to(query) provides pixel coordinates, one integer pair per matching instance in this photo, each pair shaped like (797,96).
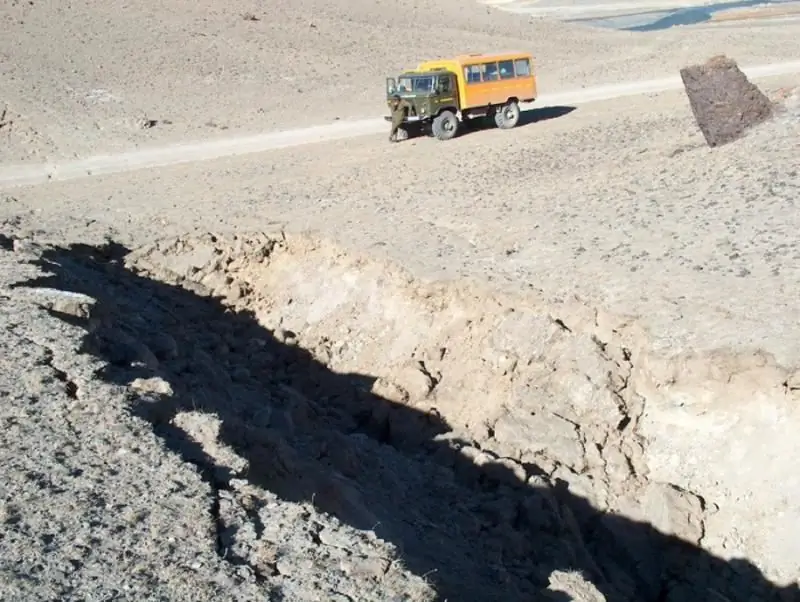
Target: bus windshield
(415,84)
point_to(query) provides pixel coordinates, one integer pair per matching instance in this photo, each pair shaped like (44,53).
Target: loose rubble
(431,445)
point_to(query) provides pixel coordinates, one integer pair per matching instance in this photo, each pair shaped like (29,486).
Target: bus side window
(522,68)
(506,69)
(473,74)
(490,73)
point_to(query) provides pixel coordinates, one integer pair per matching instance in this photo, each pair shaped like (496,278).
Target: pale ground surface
(152,156)
(605,357)
(209,72)
(666,241)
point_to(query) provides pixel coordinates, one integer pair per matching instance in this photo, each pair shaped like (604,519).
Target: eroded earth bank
(263,417)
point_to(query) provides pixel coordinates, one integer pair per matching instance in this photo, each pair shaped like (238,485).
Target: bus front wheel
(445,125)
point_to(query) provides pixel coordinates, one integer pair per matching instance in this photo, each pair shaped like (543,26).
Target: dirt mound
(490,447)
(724,102)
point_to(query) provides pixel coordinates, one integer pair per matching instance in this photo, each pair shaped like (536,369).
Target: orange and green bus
(446,92)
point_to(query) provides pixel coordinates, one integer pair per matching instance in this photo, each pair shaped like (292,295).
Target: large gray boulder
(724,102)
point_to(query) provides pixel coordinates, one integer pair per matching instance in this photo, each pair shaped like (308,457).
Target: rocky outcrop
(724,102)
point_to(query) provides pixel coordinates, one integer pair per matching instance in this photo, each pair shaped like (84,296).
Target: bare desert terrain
(252,351)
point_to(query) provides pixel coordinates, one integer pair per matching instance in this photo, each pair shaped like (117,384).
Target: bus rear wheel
(445,125)
(507,116)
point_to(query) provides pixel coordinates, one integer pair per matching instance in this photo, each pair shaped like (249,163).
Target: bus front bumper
(411,119)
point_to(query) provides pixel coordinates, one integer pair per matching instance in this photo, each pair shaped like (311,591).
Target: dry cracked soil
(564,366)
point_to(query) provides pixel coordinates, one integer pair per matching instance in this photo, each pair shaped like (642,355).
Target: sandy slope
(207,71)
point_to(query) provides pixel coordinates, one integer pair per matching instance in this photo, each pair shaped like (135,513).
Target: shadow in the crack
(6,242)
(479,532)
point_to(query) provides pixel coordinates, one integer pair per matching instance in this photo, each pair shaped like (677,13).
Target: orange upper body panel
(485,79)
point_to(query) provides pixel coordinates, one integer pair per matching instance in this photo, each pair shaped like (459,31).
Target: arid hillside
(558,362)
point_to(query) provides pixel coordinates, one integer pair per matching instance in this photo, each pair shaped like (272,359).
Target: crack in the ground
(224,534)
(495,497)
(70,386)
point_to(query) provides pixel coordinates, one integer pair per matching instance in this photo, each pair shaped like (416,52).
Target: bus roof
(459,61)
(491,56)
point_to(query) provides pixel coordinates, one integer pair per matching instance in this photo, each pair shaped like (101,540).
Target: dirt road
(22,175)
